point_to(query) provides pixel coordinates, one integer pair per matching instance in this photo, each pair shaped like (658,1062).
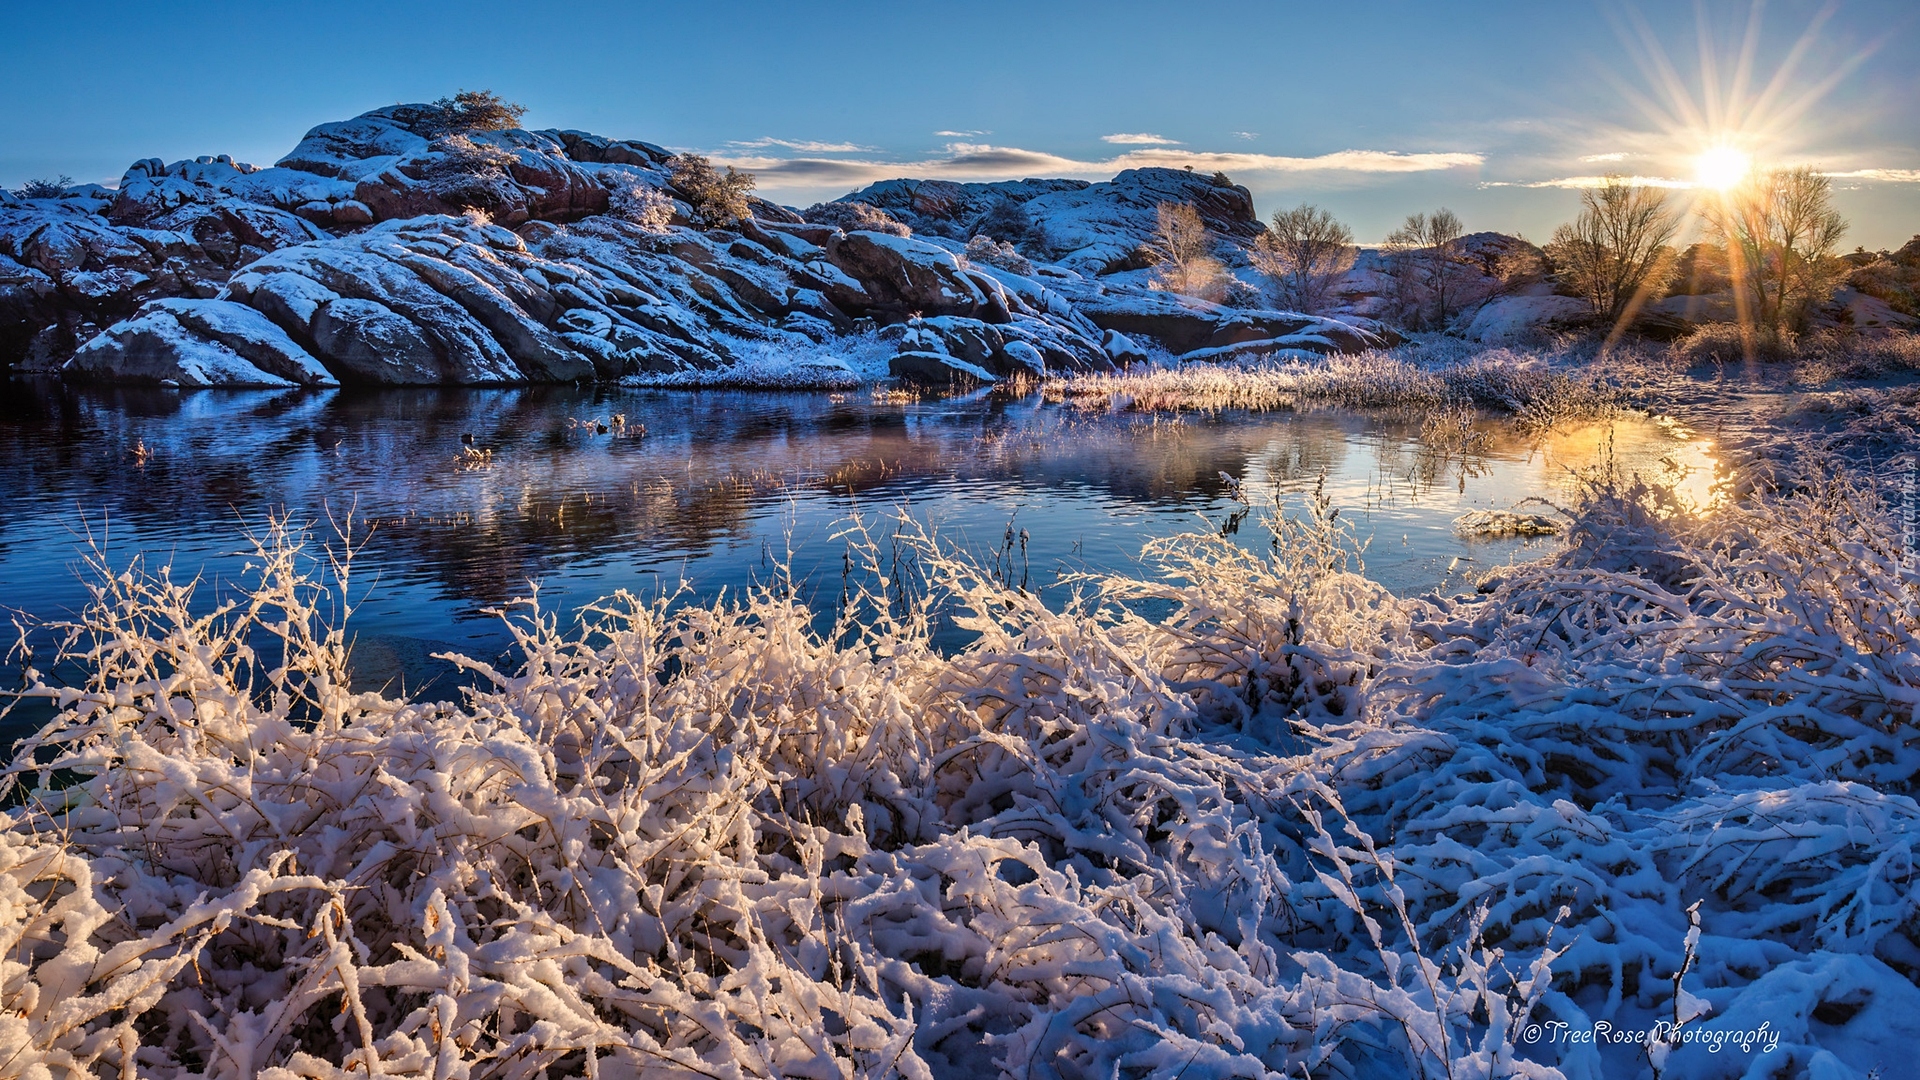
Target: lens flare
(1721,167)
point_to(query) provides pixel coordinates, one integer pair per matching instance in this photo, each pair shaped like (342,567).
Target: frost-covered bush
(466,173)
(988,251)
(642,204)
(1289,825)
(852,216)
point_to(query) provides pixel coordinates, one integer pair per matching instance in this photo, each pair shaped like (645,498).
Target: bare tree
(1781,233)
(1617,254)
(1303,253)
(1183,250)
(1425,259)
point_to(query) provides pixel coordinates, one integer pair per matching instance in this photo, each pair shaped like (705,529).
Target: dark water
(718,488)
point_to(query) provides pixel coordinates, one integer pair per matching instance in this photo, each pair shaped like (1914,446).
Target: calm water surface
(716,489)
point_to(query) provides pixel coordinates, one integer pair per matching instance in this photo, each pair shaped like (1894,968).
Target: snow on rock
(198,343)
(1088,228)
(1511,318)
(431,300)
(953,348)
(381,247)
(1192,328)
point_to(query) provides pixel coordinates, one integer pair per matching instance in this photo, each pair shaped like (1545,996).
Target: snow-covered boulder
(1090,228)
(198,343)
(901,275)
(431,300)
(1512,318)
(1195,329)
(951,348)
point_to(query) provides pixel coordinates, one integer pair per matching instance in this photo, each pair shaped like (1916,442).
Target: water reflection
(473,494)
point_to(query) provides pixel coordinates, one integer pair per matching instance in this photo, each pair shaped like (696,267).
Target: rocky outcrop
(1085,227)
(67,270)
(390,249)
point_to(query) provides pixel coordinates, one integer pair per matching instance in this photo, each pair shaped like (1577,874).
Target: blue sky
(1373,109)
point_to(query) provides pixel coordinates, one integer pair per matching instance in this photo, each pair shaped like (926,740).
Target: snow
(1511,318)
(154,347)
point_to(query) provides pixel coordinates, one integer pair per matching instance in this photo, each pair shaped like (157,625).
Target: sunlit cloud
(804,146)
(1140,139)
(1593,159)
(961,134)
(982,162)
(1579,182)
(1891,176)
(1885,176)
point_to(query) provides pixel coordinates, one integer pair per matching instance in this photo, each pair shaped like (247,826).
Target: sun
(1721,167)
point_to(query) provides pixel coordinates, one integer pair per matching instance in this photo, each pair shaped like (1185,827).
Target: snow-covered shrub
(851,216)
(466,173)
(642,204)
(985,249)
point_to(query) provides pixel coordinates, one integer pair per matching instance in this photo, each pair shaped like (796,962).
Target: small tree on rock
(719,200)
(1617,254)
(1303,252)
(467,112)
(1182,250)
(1781,234)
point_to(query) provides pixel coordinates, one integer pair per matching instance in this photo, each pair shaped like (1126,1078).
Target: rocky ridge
(384,250)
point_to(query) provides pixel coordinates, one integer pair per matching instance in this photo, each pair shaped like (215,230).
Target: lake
(588,490)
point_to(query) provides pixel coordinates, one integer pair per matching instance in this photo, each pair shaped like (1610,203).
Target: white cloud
(804,146)
(1140,139)
(961,134)
(1577,182)
(1244,134)
(1616,156)
(1893,176)
(978,161)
